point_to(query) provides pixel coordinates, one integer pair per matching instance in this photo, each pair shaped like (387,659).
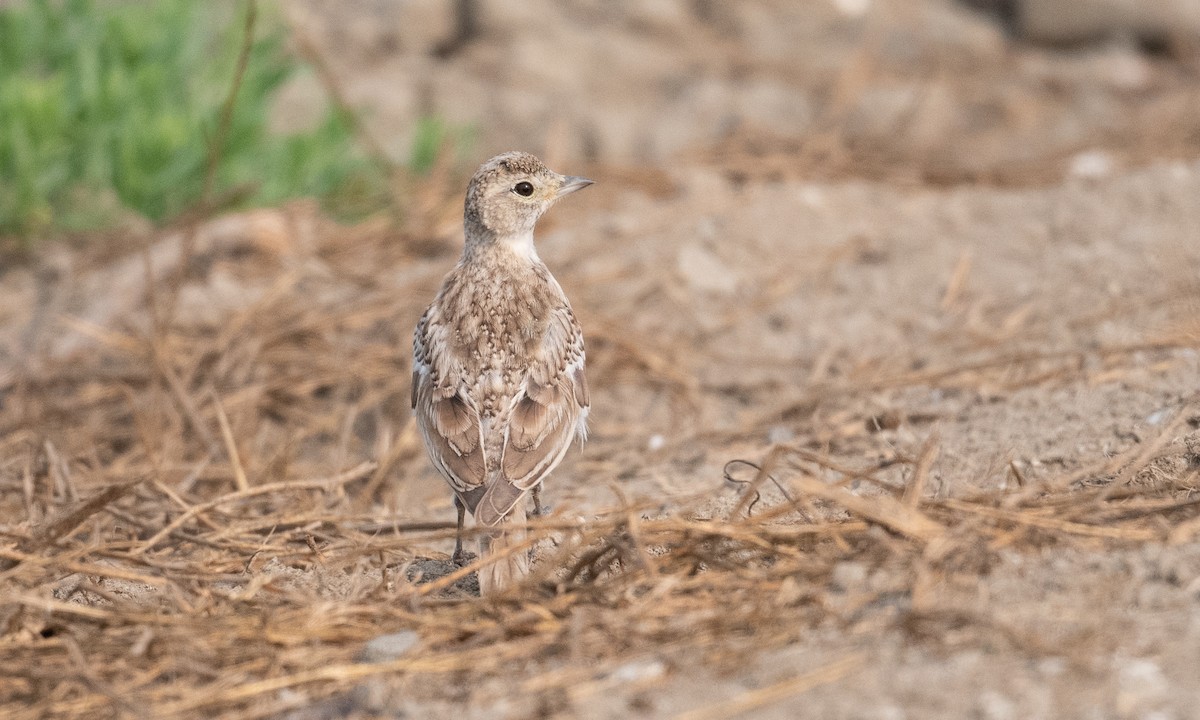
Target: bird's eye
(523,188)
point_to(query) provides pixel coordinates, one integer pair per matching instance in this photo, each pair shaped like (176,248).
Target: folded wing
(448,420)
(547,413)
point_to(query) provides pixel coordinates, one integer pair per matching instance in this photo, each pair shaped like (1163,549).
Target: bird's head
(510,192)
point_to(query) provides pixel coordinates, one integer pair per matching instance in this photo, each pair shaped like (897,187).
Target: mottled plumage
(499,388)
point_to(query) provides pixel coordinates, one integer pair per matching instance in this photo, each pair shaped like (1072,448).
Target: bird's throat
(520,245)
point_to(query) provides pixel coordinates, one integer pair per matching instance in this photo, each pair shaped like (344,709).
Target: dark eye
(524,189)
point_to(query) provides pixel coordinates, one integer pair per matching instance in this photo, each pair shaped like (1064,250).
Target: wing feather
(547,414)
(448,422)
(491,465)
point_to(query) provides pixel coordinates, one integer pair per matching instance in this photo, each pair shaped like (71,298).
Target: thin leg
(537,499)
(457,557)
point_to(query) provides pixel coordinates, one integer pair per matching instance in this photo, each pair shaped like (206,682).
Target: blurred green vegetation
(111,107)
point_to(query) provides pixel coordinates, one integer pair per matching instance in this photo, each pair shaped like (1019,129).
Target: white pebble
(1157,417)
(1091,165)
(852,8)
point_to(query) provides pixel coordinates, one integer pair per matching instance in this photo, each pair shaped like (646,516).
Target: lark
(499,390)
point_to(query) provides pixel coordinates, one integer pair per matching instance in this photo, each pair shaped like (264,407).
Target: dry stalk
(778,692)
(362,470)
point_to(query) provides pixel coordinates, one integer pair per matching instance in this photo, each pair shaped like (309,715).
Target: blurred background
(935,264)
(122,113)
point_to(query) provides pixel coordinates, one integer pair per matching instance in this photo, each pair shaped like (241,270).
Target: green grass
(109,108)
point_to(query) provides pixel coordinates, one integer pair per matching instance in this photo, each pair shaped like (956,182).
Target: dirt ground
(940,285)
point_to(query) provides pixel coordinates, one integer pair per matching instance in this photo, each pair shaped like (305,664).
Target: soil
(870,237)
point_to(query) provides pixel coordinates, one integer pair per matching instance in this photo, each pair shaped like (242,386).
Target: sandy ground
(1020,307)
(825,287)
(781,302)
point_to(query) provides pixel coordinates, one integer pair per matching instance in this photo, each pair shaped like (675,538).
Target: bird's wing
(448,420)
(548,412)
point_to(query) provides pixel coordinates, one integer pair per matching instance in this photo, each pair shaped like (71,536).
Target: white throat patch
(521,244)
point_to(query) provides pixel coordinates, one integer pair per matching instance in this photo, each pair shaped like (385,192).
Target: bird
(499,389)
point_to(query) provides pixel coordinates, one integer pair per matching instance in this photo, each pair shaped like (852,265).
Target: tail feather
(501,496)
(503,539)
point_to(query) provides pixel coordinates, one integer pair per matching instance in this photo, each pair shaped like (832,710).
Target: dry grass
(207,476)
(194,528)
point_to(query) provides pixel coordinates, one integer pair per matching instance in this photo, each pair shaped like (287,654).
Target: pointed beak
(570,184)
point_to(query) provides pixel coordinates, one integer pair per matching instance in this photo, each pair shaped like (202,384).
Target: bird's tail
(502,548)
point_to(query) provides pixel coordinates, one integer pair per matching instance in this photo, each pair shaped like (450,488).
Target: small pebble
(388,647)
(1091,165)
(780,435)
(994,706)
(852,8)
(639,671)
(848,575)
(1158,416)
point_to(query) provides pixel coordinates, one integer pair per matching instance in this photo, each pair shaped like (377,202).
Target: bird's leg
(537,500)
(457,557)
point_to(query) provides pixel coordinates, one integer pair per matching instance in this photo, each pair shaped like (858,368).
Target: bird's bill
(571,183)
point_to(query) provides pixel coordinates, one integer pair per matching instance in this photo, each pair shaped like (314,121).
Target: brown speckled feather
(499,389)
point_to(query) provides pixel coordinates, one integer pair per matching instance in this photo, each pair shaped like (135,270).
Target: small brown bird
(499,390)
